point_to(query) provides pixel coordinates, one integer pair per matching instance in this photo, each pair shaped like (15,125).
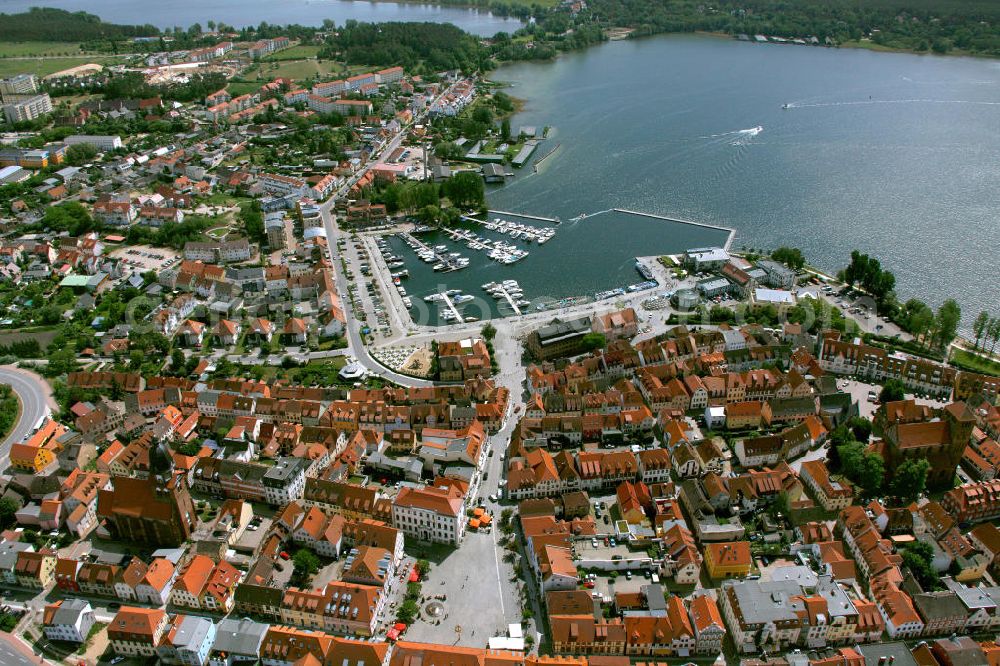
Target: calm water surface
(241,13)
(896,155)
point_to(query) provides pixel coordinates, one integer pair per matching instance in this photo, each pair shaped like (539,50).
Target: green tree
(840,436)
(861,428)
(306,564)
(593,341)
(910,479)
(482,114)
(177,361)
(917,557)
(892,391)
(70,217)
(917,318)
(80,153)
(8,507)
(790,256)
(505,129)
(423,567)
(447,150)
(994,333)
(980,326)
(465,189)
(489,331)
(407,612)
(252,217)
(429,214)
(946,323)
(864,468)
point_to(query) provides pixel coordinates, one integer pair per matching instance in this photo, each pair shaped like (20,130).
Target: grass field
(295,53)
(20,49)
(44,66)
(975,362)
(303,68)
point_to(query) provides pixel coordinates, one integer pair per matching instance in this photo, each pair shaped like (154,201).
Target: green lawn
(237,88)
(43,66)
(295,53)
(974,362)
(12,49)
(302,67)
(297,70)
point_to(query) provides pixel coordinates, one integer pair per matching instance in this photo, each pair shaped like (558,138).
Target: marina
(438,256)
(590,259)
(508,291)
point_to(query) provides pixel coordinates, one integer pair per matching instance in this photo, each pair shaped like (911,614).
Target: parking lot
(250,540)
(146,258)
(866,395)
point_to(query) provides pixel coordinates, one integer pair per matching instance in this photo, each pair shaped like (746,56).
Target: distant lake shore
(890,154)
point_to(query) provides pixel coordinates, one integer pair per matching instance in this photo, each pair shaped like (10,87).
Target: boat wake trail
(744,136)
(584,216)
(868,102)
(740,142)
(743,133)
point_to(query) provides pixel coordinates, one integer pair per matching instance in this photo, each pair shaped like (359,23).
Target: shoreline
(629,33)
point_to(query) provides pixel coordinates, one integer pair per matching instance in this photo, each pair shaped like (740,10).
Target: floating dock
(451,306)
(414,243)
(510,300)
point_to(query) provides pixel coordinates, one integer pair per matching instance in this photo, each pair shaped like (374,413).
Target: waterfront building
(562,338)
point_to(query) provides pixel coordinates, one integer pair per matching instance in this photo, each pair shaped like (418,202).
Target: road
(36,403)
(333,233)
(13,655)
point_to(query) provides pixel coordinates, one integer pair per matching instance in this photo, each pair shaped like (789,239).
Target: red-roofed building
(432,513)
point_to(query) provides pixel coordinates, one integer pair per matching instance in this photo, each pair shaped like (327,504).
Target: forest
(438,46)
(919,25)
(44,24)
(941,26)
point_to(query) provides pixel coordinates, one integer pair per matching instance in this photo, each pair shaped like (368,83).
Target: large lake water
(896,155)
(241,13)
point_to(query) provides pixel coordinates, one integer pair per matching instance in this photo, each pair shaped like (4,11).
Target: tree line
(919,25)
(438,46)
(45,24)
(986,328)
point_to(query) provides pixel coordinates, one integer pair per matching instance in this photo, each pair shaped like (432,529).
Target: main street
(36,403)
(333,234)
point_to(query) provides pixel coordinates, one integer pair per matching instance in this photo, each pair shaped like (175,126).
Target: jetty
(553,220)
(545,157)
(730,230)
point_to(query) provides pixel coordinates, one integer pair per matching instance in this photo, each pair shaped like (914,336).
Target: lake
(240,13)
(893,154)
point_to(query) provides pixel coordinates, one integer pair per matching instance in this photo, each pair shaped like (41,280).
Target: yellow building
(31,459)
(731,559)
